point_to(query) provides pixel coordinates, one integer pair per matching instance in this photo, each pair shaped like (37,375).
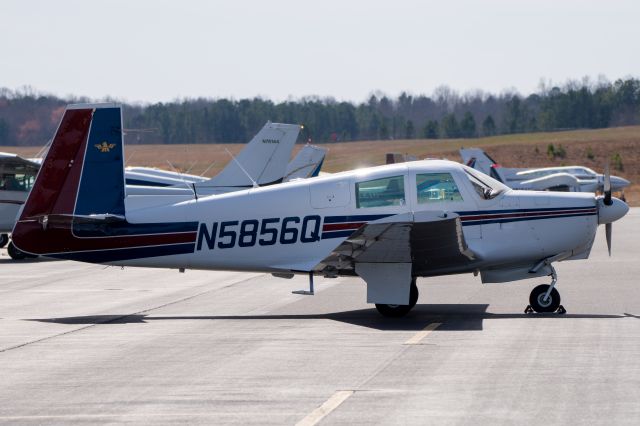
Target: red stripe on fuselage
(341,226)
(34,239)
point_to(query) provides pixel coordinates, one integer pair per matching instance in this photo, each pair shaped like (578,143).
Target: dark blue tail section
(102,181)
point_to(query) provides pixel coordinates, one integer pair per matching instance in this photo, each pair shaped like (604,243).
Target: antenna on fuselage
(207,169)
(255,184)
(191,187)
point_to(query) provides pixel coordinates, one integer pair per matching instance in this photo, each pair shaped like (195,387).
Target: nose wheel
(545,298)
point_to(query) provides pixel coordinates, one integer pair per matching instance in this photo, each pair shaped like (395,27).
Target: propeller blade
(607,186)
(608,230)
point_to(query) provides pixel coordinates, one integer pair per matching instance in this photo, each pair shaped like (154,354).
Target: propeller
(608,228)
(607,186)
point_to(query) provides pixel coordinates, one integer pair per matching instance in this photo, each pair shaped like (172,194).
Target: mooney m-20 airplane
(569,178)
(388,224)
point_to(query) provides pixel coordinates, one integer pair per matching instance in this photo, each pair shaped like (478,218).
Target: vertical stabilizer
(477,159)
(82,173)
(307,163)
(264,160)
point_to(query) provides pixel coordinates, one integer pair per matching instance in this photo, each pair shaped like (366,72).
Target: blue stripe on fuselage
(124,228)
(115,255)
(140,182)
(551,209)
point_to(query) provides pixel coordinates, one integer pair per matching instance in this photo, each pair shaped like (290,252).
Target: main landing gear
(400,310)
(545,298)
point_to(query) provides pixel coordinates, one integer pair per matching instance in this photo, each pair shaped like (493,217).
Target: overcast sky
(152,50)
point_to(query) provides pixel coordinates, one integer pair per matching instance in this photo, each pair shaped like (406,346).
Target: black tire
(14,253)
(538,304)
(397,311)
(4,239)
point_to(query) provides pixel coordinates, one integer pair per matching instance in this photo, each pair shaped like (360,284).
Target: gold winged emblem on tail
(105,146)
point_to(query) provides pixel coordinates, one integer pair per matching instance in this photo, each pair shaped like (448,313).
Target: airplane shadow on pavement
(462,317)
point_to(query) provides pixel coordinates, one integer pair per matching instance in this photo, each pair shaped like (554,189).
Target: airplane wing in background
(554,181)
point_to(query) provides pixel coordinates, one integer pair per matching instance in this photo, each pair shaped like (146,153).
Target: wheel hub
(542,302)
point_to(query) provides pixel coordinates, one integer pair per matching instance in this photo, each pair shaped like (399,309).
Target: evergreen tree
(468,126)
(488,126)
(409,131)
(450,128)
(4,132)
(384,130)
(431,129)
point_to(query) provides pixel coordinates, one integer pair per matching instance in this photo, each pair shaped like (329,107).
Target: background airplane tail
(306,164)
(263,161)
(477,159)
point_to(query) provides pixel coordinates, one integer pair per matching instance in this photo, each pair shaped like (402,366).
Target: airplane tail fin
(83,172)
(477,159)
(307,163)
(263,160)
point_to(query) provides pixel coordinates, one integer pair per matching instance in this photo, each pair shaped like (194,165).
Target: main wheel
(15,253)
(397,311)
(4,239)
(537,302)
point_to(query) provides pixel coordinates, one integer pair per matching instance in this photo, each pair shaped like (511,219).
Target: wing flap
(431,241)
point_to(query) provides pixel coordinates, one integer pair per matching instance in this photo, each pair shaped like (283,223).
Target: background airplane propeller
(608,228)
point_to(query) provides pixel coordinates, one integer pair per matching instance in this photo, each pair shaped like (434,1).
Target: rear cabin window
(16,182)
(380,192)
(437,188)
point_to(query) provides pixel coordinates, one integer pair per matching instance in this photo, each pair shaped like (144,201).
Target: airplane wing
(553,181)
(13,162)
(430,241)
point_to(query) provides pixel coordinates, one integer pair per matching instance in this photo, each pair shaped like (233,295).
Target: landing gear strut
(545,298)
(400,310)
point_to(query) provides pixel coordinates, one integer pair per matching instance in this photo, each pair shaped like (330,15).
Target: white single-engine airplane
(388,224)
(565,178)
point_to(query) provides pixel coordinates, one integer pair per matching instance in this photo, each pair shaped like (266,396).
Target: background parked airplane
(388,224)
(17,176)
(571,178)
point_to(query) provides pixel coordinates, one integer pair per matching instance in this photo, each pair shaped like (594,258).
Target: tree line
(30,118)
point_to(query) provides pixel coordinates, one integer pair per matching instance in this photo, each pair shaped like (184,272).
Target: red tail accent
(56,186)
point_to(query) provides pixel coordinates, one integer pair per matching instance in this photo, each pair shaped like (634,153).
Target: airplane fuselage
(293,226)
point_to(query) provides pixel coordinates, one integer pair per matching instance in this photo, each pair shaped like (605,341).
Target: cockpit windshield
(486,186)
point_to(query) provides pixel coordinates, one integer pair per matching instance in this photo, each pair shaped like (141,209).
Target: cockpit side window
(380,192)
(437,188)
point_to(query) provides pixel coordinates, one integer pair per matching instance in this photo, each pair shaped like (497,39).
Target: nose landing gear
(545,298)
